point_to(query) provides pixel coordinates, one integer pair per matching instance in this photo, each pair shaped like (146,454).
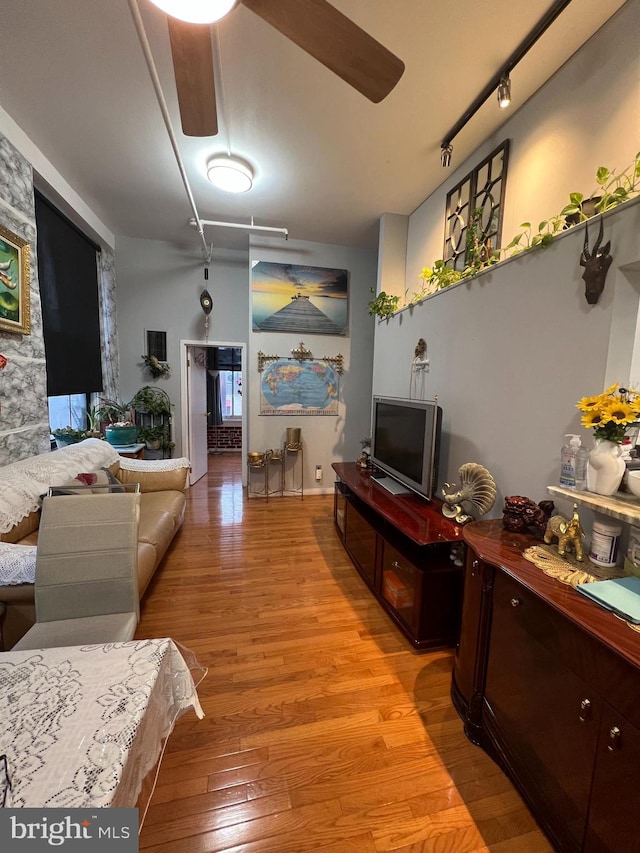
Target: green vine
(612,190)
(384,305)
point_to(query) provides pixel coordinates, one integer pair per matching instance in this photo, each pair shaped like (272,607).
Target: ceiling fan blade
(193,67)
(342,46)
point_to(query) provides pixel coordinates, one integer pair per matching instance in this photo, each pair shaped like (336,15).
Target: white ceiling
(328,162)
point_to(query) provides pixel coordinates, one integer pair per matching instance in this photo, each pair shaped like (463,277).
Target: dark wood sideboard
(402,547)
(548,683)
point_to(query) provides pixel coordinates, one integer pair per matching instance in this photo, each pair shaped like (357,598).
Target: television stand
(406,551)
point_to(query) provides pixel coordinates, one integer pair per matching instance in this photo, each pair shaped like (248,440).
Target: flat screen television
(405,443)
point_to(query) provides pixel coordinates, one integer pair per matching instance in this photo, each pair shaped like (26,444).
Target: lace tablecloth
(83,726)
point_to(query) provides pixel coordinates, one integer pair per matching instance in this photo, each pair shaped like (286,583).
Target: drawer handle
(396,565)
(614,738)
(585,710)
(515,602)
(475,564)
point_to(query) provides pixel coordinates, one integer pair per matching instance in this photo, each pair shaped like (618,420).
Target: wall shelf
(623,506)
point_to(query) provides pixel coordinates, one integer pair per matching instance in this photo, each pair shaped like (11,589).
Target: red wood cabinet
(401,546)
(548,683)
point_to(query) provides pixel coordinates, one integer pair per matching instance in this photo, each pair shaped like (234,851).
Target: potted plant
(151,401)
(121,429)
(69,435)
(152,436)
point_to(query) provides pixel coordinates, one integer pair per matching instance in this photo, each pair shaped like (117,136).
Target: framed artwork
(295,298)
(293,387)
(14,283)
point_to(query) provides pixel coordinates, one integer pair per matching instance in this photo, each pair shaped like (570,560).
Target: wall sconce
(504,92)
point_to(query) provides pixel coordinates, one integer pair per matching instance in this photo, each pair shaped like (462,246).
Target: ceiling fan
(314,25)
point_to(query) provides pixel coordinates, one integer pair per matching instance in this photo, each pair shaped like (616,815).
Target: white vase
(605,468)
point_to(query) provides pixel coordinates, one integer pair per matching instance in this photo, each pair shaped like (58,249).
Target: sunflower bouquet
(611,413)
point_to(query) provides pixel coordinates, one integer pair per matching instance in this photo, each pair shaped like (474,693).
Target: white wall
(159,286)
(326,439)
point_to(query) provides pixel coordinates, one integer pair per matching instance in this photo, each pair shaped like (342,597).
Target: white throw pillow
(17,563)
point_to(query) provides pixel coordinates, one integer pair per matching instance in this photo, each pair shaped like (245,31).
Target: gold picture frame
(15,313)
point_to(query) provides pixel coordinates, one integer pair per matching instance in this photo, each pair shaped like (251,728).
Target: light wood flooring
(324,730)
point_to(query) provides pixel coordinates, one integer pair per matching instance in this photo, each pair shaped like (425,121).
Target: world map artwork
(293,388)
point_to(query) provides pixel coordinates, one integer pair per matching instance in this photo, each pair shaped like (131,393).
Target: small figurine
(569,534)
(520,514)
(477,491)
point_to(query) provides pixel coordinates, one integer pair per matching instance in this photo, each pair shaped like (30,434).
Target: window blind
(68,277)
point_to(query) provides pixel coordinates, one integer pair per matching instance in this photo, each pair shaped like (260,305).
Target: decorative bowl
(633,483)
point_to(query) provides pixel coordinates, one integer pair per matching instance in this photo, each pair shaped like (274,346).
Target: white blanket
(23,483)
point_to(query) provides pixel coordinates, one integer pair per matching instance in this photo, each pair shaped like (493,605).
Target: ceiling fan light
(196,11)
(230,174)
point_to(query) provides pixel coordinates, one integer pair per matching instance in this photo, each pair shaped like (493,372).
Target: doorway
(205,367)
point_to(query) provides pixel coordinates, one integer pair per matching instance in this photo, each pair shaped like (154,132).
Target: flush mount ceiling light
(229,174)
(196,11)
(504,92)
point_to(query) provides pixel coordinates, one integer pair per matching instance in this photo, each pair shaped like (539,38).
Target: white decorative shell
(477,487)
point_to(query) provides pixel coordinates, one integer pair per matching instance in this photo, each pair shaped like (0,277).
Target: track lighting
(196,11)
(229,174)
(504,91)
(500,80)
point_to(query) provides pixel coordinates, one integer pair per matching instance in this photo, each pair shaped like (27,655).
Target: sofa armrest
(154,475)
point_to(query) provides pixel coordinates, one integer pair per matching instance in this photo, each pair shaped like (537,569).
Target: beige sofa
(162,507)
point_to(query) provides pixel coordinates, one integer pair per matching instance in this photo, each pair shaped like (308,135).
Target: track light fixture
(504,92)
(500,80)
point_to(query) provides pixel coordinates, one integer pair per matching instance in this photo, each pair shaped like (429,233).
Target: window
(68,277)
(224,388)
(231,393)
(68,410)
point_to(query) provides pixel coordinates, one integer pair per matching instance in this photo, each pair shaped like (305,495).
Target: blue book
(621,596)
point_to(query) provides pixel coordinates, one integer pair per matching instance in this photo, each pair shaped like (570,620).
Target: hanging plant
(156,368)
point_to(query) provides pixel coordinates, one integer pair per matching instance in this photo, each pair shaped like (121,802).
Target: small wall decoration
(293,298)
(473,218)
(596,265)
(14,283)
(299,384)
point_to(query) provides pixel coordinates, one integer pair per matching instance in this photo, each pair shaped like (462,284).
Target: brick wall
(225,437)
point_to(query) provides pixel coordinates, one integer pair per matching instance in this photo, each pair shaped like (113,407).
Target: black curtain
(68,276)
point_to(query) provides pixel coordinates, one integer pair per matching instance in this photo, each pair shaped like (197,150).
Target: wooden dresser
(548,683)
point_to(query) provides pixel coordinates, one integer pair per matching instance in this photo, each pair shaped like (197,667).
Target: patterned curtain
(108,326)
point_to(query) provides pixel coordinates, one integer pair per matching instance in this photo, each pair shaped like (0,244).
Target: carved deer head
(596,265)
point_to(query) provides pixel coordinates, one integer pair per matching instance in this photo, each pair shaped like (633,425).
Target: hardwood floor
(324,730)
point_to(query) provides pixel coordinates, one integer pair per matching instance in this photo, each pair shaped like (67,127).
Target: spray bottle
(573,464)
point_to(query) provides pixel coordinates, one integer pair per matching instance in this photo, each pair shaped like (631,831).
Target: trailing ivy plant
(384,305)
(612,189)
(547,230)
